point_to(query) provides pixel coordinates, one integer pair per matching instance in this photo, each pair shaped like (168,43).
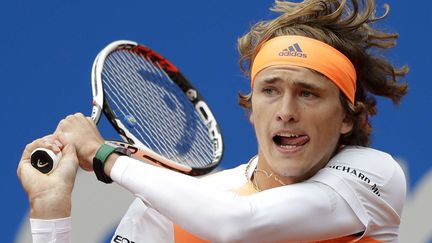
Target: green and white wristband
(100,158)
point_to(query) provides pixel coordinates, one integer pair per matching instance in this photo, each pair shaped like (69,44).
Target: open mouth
(290,141)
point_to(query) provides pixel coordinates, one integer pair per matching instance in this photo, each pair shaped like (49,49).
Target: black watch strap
(100,158)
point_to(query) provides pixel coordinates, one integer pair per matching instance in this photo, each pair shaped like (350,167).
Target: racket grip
(44,160)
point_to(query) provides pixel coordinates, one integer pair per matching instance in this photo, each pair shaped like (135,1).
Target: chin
(289,171)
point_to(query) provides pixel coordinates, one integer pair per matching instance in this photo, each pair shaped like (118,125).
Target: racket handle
(44,160)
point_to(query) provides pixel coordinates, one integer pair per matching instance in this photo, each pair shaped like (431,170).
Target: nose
(287,109)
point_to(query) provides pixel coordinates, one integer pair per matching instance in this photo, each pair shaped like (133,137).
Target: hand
(82,132)
(49,195)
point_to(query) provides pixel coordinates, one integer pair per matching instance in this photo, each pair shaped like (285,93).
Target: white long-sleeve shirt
(360,192)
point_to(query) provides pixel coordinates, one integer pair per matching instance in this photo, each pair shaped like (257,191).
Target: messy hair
(347,26)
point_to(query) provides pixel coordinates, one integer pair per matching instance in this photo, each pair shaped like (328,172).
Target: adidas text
(293,53)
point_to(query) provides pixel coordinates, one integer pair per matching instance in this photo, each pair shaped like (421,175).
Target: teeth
(288,146)
(290,135)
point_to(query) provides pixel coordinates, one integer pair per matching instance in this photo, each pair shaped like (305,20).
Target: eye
(307,94)
(269,91)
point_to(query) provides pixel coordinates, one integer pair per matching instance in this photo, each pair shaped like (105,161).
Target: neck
(264,178)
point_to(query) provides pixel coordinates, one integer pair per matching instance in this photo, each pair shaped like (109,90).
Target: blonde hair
(346,26)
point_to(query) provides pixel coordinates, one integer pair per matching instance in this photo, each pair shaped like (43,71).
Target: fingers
(73,127)
(75,118)
(68,162)
(50,142)
(53,141)
(33,180)
(80,132)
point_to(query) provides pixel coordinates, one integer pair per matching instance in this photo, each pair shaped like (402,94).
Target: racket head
(155,108)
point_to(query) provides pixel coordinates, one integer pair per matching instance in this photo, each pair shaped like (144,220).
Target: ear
(347,125)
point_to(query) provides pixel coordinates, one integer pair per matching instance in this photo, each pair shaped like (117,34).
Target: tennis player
(314,74)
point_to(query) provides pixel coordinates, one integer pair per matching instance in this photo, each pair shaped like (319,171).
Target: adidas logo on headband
(293,50)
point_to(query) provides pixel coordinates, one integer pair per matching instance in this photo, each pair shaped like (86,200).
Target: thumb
(69,162)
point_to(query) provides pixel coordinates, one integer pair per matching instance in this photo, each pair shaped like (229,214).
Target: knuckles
(79,115)
(71,119)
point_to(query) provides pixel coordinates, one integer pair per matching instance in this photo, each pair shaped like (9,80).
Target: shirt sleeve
(51,231)
(300,212)
(374,186)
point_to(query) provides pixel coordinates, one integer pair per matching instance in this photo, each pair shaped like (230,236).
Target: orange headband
(309,53)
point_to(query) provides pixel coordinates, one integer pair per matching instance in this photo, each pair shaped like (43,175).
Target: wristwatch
(100,158)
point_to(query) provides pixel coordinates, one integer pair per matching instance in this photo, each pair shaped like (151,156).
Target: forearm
(53,206)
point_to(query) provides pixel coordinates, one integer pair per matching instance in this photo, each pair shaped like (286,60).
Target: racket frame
(138,149)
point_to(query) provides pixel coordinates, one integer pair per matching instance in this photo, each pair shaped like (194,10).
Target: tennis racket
(160,116)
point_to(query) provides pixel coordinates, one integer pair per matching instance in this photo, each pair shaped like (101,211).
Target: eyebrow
(271,80)
(309,86)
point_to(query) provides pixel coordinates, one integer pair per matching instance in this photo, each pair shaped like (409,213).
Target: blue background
(47,48)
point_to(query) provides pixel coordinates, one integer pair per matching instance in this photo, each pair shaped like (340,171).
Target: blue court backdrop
(47,48)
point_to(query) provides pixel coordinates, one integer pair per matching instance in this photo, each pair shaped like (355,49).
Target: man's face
(298,119)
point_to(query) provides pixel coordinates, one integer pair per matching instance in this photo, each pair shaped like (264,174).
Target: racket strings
(166,121)
(152,135)
(153,115)
(118,96)
(140,104)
